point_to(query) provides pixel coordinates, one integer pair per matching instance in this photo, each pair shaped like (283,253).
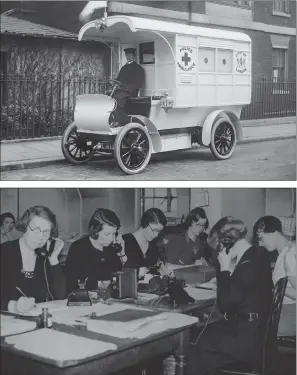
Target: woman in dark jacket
(244,296)
(25,271)
(187,244)
(140,246)
(93,258)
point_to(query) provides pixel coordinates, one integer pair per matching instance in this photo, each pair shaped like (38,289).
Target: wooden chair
(270,337)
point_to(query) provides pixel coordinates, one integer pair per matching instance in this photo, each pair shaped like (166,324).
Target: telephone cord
(206,324)
(46,279)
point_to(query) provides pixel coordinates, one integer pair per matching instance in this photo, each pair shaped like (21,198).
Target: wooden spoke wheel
(133,148)
(75,148)
(223,139)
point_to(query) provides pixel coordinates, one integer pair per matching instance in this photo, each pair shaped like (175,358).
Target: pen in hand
(23,294)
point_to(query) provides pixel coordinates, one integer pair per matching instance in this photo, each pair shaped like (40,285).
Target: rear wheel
(75,148)
(133,148)
(223,139)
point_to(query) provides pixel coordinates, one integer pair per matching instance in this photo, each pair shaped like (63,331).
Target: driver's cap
(130,50)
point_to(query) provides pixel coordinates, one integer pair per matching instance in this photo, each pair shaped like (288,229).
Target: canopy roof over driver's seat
(119,27)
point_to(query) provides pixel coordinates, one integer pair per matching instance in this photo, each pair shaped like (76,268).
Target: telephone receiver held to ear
(43,252)
(116,246)
(227,245)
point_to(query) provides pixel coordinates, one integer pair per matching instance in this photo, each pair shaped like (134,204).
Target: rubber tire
(213,130)
(121,134)
(66,154)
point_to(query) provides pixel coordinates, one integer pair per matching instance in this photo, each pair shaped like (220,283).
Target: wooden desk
(130,352)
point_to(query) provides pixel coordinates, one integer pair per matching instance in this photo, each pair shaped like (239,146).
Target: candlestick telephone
(80,296)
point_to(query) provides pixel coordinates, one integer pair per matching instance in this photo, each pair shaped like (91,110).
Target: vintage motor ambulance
(196,82)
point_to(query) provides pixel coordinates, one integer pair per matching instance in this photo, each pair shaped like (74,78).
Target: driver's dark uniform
(132,76)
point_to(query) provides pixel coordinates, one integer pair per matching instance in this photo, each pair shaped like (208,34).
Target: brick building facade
(270,24)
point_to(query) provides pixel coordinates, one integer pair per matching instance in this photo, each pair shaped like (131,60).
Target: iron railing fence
(42,106)
(270,100)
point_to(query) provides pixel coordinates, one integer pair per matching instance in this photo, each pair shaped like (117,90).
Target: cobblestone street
(274,160)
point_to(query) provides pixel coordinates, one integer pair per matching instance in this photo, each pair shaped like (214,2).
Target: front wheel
(75,148)
(133,148)
(223,139)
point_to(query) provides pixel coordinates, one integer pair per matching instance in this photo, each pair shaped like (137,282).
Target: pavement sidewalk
(40,152)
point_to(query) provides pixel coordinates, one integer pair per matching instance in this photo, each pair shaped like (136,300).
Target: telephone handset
(227,244)
(203,236)
(116,246)
(43,252)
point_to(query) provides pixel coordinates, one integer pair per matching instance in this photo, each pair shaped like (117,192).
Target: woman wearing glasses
(30,265)
(140,247)
(188,246)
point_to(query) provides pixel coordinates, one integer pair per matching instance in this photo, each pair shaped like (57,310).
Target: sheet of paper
(200,294)
(37,309)
(147,278)
(11,325)
(58,346)
(172,267)
(212,284)
(79,314)
(146,296)
(142,327)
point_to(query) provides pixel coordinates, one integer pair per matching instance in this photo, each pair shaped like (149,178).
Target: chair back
(270,338)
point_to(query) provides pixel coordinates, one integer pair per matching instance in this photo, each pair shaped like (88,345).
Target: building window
(247,4)
(164,199)
(279,66)
(147,53)
(281,6)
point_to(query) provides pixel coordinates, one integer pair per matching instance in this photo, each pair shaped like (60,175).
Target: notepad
(58,346)
(12,326)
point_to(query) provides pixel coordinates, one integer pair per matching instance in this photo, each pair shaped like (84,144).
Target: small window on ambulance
(206,57)
(147,53)
(224,61)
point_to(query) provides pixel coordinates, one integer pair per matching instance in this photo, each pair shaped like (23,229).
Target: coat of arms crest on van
(241,62)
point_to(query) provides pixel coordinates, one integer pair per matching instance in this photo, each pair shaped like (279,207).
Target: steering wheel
(118,84)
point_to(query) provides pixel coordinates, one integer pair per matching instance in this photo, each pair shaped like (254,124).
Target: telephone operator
(29,266)
(244,296)
(95,257)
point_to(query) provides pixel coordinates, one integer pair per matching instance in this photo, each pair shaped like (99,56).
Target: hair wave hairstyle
(6,215)
(153,216)
(194,216)
(100,217)
(228,230)
(41,211)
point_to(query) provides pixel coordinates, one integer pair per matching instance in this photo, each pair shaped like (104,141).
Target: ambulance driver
(131,76)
